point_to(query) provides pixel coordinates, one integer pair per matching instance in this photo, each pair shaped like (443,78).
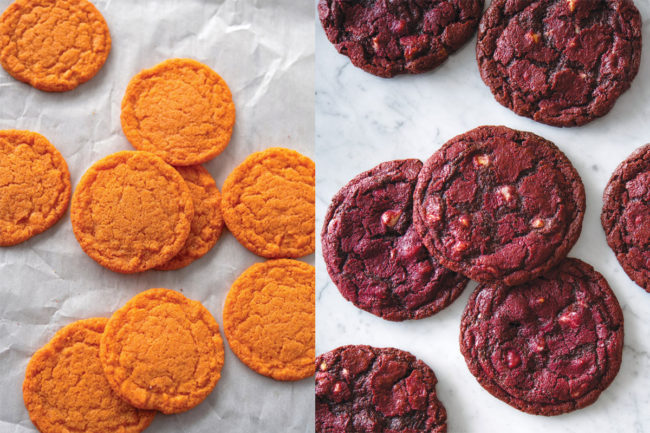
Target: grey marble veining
(362,120)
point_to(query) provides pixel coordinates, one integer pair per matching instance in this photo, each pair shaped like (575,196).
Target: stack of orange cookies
(157,207)
(159,352)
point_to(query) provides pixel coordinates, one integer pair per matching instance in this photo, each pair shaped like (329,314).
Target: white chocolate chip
(506,192)
(482,160)
(390,217)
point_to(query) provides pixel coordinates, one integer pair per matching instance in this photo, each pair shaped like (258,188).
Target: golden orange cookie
(268,203)
(207,224)
(53,45)
(268,319)
(162,351)
(131,212)
(181,110)
(65,389)
(34,186)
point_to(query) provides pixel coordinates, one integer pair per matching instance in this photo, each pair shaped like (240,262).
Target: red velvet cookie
(386,38)
(549,346)
(626,215)
(496,204)
(367,389)
(560,62)
(373,252)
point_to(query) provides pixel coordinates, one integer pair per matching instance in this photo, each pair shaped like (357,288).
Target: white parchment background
(265,52)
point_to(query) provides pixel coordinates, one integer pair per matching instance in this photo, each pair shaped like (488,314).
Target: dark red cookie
(626,215)
(365,389)
(549,346)
(373,252)
(390,37)
(496,204)
(560,62)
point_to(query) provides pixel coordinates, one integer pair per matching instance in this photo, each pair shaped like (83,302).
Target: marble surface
(362,120)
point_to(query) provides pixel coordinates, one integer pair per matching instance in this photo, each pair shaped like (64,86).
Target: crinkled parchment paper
(265,52)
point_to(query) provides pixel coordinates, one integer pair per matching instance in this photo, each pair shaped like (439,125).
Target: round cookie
(559,62)
(373,252)
(53,45)
(268,319)
(162,351)
(180,110)
(369,389)
(626,206)
(496,204)
(65,389)
(207,224)
(546,347)
(131,212)
(34,186)
(386,38)
(268,203)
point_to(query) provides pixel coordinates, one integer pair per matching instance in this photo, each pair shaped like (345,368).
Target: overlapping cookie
(546,347)
(373,252)
(499,205)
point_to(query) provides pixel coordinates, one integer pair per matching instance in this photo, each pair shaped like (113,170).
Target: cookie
(268,203)
(496,204)
(162,351)
(559,62)
(373,252)
(53,45)
(268,319)
(131,212)
(180,110)
(34,186)
(65,389)
(207,223)
(626,206)
(386,38)
(546,347)
(369,389)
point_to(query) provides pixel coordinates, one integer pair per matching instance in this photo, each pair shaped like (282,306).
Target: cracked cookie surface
(496,204)
(373,252)
(546,347)
(369,389)
(559,62)
(53,45)
(131,212)
(180,110)
(268,203)
(65,389)
(207,223)
(626,206)
(269,319)
(34,186)
(386,38)
(162,351)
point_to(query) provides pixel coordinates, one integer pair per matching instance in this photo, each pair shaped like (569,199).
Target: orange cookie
(53,45)
(181,110)
(207,223)
(131,212)
(269,318)
(162,351)
(65,389)
(268,203)
(34,186)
